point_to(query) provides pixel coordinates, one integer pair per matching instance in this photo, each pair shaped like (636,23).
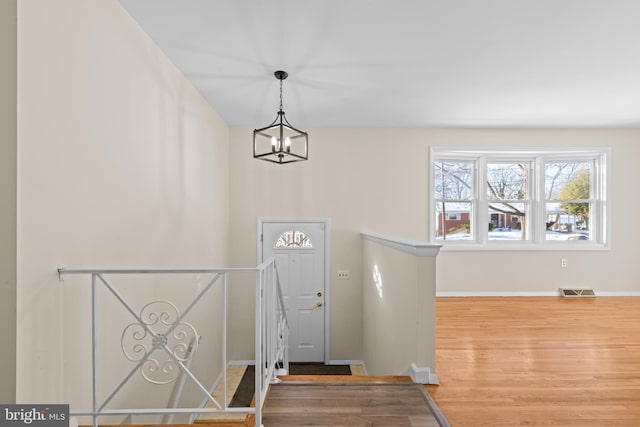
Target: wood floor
(538,361)
(352,402)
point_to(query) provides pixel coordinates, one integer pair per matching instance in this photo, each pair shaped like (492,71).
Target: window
(519,198)
(293,239)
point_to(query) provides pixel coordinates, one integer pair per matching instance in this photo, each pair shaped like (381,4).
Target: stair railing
(272,331)
(160,337)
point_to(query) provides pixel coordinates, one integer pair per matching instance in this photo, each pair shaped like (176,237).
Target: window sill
(519,247)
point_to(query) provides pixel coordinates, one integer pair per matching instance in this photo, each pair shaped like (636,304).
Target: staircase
(235,374)
(354,400)
(350,401)
(161,312)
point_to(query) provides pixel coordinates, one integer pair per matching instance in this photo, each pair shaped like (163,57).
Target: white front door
(299,250)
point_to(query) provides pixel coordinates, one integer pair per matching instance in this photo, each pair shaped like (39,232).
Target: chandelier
(280,142)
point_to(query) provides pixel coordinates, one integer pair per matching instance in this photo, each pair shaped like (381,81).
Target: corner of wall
(8,217)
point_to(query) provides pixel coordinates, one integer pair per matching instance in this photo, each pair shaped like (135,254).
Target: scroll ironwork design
(160,342)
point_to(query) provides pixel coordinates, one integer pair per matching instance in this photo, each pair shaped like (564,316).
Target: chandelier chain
(280,95)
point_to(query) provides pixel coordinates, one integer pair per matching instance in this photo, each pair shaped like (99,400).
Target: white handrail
(271,330)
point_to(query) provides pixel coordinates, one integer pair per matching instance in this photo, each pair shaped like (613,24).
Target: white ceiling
(450,63)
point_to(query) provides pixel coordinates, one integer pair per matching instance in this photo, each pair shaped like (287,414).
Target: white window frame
(600,227)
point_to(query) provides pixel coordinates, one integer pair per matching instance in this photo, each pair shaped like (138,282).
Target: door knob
(319,304)
(319,294)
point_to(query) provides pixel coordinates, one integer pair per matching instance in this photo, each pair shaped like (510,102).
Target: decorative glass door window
(293,239)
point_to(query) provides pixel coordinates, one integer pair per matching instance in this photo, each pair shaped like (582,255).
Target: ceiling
(407,63)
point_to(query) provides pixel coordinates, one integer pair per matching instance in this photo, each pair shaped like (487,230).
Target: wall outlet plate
(343,275)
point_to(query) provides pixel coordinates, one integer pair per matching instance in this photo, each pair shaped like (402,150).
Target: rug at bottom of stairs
(244,393)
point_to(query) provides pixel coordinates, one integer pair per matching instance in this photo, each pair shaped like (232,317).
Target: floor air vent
(577,293)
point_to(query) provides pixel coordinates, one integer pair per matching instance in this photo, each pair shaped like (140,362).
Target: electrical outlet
(343,274)
(563,263)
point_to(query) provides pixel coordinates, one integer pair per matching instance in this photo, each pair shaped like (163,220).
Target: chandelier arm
(273,123)
(284,118)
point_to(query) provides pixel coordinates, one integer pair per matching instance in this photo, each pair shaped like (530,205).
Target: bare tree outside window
(453,189)
(508,196)
(529,198)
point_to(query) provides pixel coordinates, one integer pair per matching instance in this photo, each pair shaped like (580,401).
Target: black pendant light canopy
(280,142)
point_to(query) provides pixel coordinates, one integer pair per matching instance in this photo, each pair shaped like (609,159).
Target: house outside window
(530,199)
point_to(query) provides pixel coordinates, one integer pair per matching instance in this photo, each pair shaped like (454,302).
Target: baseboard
(349,362)
(498,294)
(617,294)
(421,375)
(533,294)
(241,362)
(345,362)
(331,362)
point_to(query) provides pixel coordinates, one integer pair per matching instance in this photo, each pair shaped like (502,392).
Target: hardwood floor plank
(329,420)
(396,404)
(345,378)
(538,361)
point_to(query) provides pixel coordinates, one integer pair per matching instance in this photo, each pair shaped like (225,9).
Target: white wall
(8,129)
(524,272)
(376,180)
(121,163)
(399,326)
(354,179)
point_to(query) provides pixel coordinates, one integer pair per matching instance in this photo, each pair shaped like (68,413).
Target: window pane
(453,221)
(568,221)
(507,221)
(507,187)
(453,180)
(507,181)
(567,180)
(568,186)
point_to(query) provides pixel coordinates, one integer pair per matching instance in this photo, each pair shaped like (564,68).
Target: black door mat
(318,369)
(244,393)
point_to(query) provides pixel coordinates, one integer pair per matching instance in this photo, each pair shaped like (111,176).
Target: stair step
(347,378)
(212,424)
(234,375)
(242,420)
(219,420)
